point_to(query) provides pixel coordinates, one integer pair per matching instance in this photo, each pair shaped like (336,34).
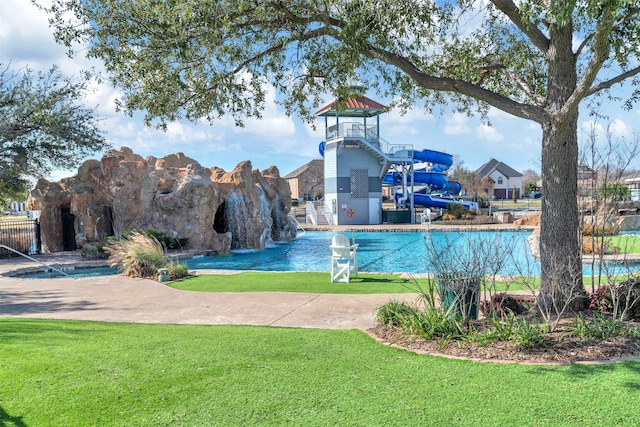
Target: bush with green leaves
(528,335)
(599,327)
(178,270)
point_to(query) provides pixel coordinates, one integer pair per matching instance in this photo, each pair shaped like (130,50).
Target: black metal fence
(22,235)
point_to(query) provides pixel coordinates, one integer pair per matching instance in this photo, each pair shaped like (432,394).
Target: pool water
(504,252)
(383,252)
(71,272)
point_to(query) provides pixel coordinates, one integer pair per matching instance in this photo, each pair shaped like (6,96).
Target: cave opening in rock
(220,224)
(108,227)
(68,229)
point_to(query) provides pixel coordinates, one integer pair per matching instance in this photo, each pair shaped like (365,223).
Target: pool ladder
(33,259)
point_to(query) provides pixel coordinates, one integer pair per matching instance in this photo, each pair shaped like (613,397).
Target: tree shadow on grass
(580,371)
(7,420)
(377,280)
(35,302)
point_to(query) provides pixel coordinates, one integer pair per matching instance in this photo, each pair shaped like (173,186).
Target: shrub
(137,255)
(94,251)
(178,271)
(394,313)
(458,211)
(500,304)
(621,300)
(528,335)
(600,230)
(599,327)
(166,241)
(427,320)
(597,247)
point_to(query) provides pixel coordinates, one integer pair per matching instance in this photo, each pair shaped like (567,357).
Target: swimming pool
(504,252)
(380,252)
(83,272)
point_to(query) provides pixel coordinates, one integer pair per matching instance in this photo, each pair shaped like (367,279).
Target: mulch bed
(560,347)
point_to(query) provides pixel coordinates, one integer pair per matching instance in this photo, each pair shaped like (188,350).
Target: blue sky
(286,142)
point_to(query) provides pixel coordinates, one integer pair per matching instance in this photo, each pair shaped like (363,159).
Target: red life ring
(351,212)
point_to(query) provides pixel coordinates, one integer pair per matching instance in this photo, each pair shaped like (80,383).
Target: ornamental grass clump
(137,255)
(178,270)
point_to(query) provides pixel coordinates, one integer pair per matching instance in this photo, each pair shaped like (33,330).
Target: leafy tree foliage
(533,59)
(42,126)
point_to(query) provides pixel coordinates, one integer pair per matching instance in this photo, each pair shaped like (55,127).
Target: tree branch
(525,111)
(601,48)
(617,79)
(626,18)
(514,77)
(536,36)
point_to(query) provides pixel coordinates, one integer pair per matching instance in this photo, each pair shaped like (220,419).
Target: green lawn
(71,373)
(296,282)
(367,283)
(627,244)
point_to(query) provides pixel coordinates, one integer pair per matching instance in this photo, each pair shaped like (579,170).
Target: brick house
(500,181)
(307,182)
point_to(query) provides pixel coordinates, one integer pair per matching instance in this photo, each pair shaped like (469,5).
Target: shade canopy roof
(359,106)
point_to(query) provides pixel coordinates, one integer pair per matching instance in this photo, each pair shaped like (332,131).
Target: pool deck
(123,299)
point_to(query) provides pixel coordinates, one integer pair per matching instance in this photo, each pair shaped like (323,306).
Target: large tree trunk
(560,248)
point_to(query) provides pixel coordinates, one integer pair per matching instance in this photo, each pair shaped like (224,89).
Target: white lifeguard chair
(344,260)
(425,218)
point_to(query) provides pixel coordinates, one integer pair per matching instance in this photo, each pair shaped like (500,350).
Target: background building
(500,181)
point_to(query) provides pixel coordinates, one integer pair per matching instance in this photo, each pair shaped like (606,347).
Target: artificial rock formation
(174,195)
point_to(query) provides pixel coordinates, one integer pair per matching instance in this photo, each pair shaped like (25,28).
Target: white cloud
(27,35)
(103,97)
(619,129)
(457,124)
(592,128)
(411,116)
(319,131)
(274,121)
(488,133)
(395,124)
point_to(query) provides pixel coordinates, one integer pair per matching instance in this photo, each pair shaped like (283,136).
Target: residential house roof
(302,169)
(493,165)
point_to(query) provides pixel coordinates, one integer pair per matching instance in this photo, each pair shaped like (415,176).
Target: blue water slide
(439,202)
(436,180)
(434,177)
(454,187)
(321,148)
(441,161)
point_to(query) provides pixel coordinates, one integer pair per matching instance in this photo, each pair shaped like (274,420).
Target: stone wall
(174,195)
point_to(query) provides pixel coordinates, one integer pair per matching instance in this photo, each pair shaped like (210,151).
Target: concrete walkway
(122,299)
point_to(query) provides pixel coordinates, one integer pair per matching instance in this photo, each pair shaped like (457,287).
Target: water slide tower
(356,160)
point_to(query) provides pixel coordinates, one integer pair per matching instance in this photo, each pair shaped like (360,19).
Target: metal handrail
(312,213)
(298,224)
(369,135)
(34,260)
